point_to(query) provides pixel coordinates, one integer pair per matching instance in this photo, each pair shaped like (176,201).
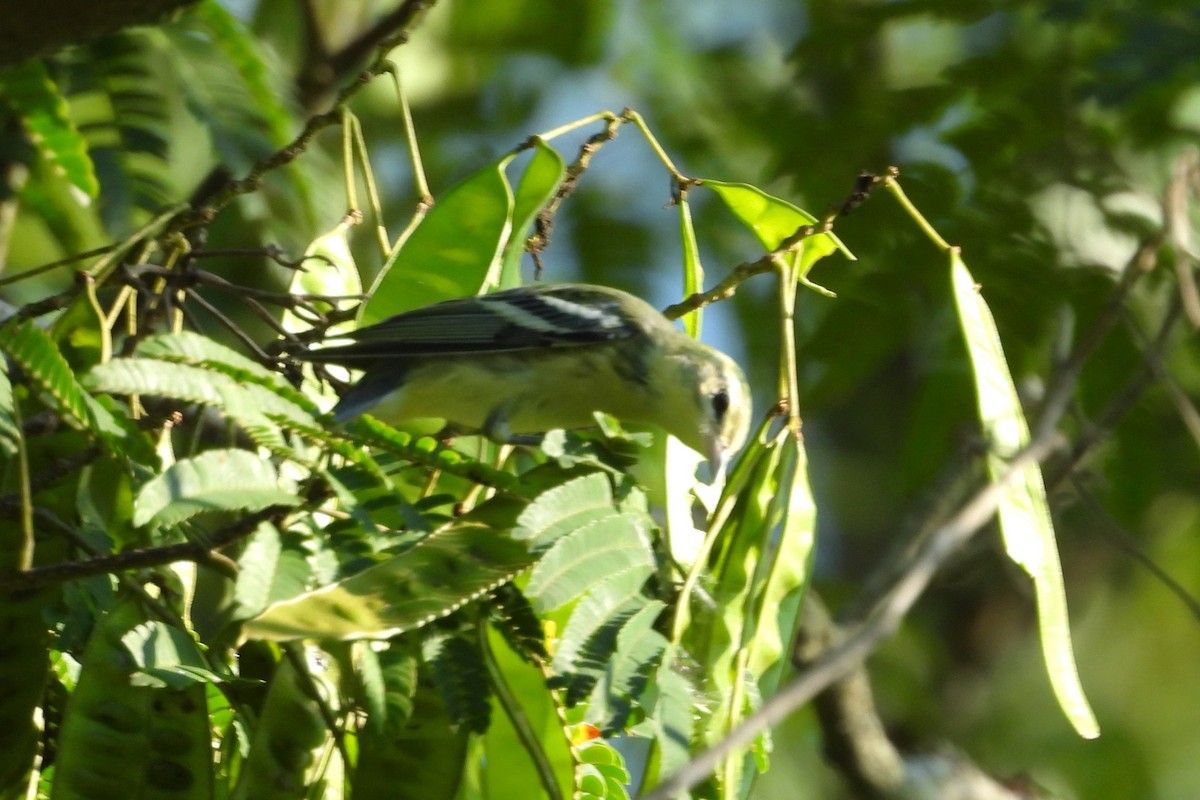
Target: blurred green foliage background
(1038,136)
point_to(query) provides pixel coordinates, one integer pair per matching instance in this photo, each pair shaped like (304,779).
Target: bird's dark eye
(720,403)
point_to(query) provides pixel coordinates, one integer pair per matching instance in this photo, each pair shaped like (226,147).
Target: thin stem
(637,120)
(364,161)
(142,558)
(554,133)
(62,262)
(25,553)
(789,373)
(892,185)
(349,121)
(410,137)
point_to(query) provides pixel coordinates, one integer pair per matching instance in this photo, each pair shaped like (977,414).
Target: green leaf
(194,349)
(9,432)
(782,571)
(1023,513)
(329,270)
(216,480)
(422,760)
(693,270)
(44,112)
(574,563)
(267,572)
(33,350)
(510,612)
(537,186)
(773,220)
(243,401)
(166,657)
(596,607)
(452,252)
(121,739)
(669,720)
(508,769)
(602,771)
(287,739)
(247,55)
(462,678)
(639,648)
(433,578)
(565,508)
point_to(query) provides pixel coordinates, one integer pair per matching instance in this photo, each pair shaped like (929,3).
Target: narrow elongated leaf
(783,568)
(508,769)
(216,480)
(239,399)
(693,270)
(441,573)
(452,252)
(44,112)
(1023,512)
(191,348)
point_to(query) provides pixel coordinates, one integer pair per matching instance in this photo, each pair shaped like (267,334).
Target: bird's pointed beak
(717,460)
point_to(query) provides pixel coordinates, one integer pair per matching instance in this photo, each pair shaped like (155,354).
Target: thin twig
(142,558)
(543,225)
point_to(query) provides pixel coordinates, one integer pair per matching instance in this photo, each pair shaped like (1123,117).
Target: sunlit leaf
(773,220)
(438,575)
(35,352)
(637,651)
(508,769)
(329,270)
(454,249)
(268,571)
(693,270)
(565,508)
(596,607)
(1023,512)
(216,480)
(597,550)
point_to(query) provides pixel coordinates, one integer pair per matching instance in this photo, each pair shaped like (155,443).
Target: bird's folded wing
(518,319)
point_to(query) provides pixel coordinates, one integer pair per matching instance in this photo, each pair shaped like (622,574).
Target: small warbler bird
(530,359)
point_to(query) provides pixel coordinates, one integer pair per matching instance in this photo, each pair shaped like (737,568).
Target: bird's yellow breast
(555,389)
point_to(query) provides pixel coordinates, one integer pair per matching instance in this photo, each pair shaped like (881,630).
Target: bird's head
(717,403)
